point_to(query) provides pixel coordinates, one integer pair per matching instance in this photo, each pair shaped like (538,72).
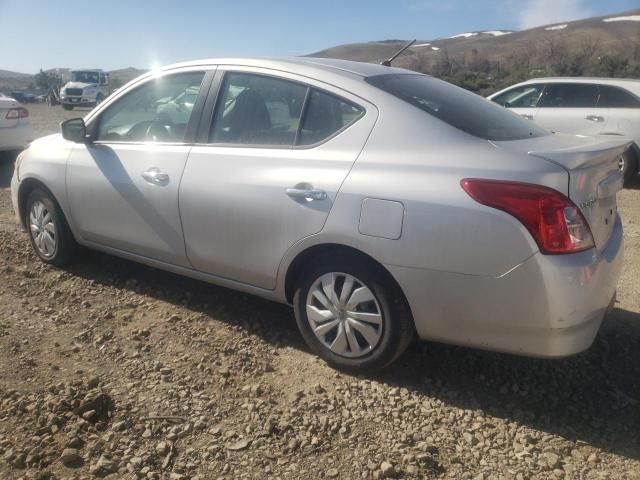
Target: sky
(144,33)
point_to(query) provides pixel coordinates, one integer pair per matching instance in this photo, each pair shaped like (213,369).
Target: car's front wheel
(66,106)
(351,316)
(49,232)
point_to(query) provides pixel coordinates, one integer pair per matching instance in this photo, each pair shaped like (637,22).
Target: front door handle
(306,194)
(156,177)
(595,118)
(527,116)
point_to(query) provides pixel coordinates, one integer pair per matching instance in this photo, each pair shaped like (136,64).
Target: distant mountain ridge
(611,29)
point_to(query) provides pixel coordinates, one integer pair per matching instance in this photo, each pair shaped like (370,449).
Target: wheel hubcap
(621,163)
(43,229)
(344,315)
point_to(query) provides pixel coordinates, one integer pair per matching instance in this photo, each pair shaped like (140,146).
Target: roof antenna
(387,63)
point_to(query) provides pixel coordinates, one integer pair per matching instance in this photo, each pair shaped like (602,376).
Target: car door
(522,99)
(571,108)
(278,150)
(123,186)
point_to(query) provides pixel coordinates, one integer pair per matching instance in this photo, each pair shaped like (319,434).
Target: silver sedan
(382,204)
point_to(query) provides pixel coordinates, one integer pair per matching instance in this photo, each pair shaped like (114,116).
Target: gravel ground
(112,369)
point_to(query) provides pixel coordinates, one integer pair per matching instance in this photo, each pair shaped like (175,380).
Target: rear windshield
(457,107)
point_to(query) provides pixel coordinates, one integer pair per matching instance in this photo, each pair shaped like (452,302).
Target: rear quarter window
(616,97)
(457,107)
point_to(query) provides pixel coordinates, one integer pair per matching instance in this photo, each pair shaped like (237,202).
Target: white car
(587,106)
(15,126)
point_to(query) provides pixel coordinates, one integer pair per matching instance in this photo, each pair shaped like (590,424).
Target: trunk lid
(594,175)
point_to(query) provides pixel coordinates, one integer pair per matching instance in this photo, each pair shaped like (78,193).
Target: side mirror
(74,130)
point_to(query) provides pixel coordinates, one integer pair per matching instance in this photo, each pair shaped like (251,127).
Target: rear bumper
(548,306)
(16,137)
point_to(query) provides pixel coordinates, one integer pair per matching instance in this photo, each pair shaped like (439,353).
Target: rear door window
(569,95)
(257,110)
(615,97)
(325,114)
(459,108)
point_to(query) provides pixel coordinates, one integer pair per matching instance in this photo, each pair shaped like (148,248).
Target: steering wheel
(160,129)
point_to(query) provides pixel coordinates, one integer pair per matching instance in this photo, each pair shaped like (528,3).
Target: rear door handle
(527,116)
(156,177)
(595,118)
(306,194)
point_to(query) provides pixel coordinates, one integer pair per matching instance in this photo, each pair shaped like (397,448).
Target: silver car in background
(379,202)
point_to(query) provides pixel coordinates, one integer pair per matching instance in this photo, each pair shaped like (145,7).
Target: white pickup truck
(87,88)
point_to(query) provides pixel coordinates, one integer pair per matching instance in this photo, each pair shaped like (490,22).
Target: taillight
(553,220)
(14,113)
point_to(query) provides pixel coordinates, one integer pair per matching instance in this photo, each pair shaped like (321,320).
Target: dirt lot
(109,368)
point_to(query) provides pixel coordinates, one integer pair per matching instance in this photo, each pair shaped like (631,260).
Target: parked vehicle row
(585,106)
(378,202)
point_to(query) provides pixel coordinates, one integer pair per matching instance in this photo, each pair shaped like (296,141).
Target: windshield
(459,108)
(85,77)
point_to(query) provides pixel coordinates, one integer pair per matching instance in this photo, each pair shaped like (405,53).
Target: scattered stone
(388,470)
(332,473)
(71,458)
(239,445)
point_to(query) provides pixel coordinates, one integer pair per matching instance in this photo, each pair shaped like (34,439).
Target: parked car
(87,88)
(15,125)
(388,203)
(22,97)
(587,106)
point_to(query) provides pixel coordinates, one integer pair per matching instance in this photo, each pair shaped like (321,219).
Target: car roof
(600,80)
(345,67)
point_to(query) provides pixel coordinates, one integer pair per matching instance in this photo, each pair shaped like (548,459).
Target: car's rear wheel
(628,164)
(49,232)
(351,316)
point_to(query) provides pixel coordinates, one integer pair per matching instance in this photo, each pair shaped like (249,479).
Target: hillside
(497,43)
(606,46)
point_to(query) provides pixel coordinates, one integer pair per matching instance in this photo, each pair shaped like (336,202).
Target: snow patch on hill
(497,33)
(465,35)
(628,18)
(557,27)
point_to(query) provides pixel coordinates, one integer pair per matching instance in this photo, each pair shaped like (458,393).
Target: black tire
(398,329)
(629,164)
(99,99)
(65,244)
(66,106)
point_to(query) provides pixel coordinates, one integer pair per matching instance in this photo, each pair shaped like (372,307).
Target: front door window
(157,111)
